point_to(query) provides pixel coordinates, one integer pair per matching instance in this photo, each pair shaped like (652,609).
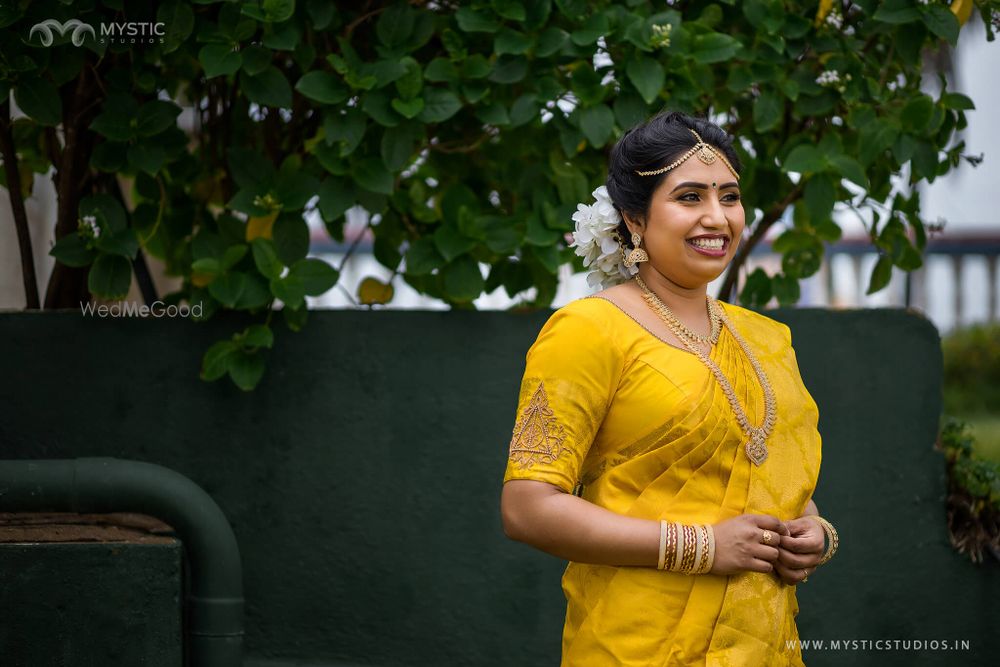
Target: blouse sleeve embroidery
(538,435)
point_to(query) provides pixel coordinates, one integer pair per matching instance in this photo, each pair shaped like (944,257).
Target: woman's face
(694,200)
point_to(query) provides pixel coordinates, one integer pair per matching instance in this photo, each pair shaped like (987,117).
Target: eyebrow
(702,186)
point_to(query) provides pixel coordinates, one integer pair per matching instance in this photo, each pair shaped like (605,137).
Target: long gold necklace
(756,444)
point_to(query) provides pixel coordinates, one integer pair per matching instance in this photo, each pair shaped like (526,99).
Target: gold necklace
(713,315)
(756,444)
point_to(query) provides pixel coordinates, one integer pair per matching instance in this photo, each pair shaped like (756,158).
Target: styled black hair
(650,146)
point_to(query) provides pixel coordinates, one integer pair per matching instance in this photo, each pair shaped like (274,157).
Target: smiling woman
(662,434)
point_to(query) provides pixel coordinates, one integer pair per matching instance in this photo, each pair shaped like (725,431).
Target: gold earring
(637,254)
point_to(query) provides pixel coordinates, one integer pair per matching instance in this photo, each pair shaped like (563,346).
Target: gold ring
(767,537)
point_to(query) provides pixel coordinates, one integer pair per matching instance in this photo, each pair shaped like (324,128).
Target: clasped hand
(793,551)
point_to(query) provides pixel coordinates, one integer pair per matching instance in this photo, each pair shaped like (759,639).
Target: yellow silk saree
(647,431)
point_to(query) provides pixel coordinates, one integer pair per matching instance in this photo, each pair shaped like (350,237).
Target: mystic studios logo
(128,32)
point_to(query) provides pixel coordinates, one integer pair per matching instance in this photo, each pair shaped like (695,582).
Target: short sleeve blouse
(571,373)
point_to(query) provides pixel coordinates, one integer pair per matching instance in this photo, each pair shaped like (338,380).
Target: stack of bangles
(686,549)
(832,539)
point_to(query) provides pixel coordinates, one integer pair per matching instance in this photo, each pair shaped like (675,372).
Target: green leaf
(378,105)
(917,113)
(820,195)
(756,291)
(178,20)
(592,30)
(957,101)
(494,114)
(550,41)
(155,117)
(246,368)
(524,110)
(942,22)
(110,277)
(371,174)
(233,255)
(630,110)
(411,82)
(269,88)
(323,87)
(346,127)
(295,318)
(39,99)
(277,11)
(408,108)
(215,362)
(399,144)
(510,9)
(441,70)
(463,281)
(335,197)
(509,69)
(316,275)
(109,213)
(472,21)
(881,274)
(647,76)
(897,11)
(714,48)
(256,59)
(290,235)
(146,157)
(289,290)
(804,158)
(512,42)
(219,60)
(850,169)
(258,335)
(266,258)
(122,242)
(440,105)
(72,250)
(767,111)
(597,123)
(422,257)
(450,242)
(786,289)
(228,287)
(394,26)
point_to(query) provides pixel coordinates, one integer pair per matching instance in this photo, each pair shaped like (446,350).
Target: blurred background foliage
(468,130)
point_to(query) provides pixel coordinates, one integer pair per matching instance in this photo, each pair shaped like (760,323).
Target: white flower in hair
(596,240)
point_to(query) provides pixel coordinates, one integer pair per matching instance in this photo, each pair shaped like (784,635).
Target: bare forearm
(571,528)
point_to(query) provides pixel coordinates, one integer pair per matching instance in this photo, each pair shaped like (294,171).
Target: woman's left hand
(800,551)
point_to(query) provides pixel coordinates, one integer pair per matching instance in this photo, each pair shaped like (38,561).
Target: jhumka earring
(637,254)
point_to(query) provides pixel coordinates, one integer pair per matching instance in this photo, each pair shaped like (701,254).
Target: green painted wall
(362,477)
(90,605)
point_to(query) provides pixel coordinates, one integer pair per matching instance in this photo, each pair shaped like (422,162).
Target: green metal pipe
(214,604)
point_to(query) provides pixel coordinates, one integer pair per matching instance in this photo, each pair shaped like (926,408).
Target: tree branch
(770,217)
(17,207)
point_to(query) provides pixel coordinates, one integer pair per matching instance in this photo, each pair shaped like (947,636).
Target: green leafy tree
(469,130)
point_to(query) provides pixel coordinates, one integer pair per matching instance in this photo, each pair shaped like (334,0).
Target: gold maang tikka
(706,152)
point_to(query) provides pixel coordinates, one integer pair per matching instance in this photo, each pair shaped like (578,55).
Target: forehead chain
(705,152)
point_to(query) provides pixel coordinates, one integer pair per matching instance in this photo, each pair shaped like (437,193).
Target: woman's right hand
(739,545)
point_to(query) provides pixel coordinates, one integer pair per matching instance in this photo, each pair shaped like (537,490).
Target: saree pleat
(668,446)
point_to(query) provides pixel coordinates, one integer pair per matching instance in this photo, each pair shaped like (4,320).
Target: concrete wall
(362,477)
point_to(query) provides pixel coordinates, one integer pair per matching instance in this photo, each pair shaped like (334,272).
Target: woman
(665,444)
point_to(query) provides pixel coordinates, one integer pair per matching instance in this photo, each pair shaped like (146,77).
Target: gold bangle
(678,548)
(663,544)
(833,539)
